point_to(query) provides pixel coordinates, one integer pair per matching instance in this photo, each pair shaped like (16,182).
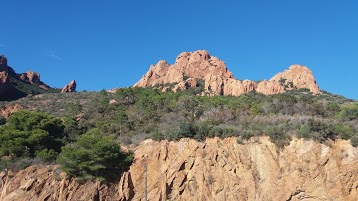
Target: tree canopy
(27,133)
(93,156)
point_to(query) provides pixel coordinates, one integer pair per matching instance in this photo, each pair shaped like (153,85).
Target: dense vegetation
(30,133)
(94,156)
(32,137)
(134,114)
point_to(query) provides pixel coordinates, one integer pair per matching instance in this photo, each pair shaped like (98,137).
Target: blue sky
(108,44)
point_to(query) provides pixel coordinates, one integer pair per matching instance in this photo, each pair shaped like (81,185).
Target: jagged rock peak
(196,65)
(71,87)
(190,67)
(31,77)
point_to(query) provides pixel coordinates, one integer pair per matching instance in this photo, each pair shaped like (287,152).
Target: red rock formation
(71,87)
(8,110)
(218,79)
(300,76)
(4,83)
(31,77)
(216,169)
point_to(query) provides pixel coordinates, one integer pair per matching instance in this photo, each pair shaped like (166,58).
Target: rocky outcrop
(299,76)
(187,65)
(4,76)
(71,87)
(200,65)
(8,110)
(30,77)
(212,170)
(4,83)
(14,86)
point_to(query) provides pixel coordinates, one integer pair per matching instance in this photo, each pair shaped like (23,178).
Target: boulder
(71,87)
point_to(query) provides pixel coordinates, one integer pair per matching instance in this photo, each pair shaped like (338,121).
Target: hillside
(197,144)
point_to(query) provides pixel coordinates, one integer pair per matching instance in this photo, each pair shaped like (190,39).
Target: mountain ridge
(191,67)
(18,85)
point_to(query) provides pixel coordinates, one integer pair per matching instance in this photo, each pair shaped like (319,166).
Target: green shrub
(246,134)
(354,141)
(277,135)
(201,131)
(16,164)
(94,156)
(27,133)
(47,155)
(345,131)
(186,129)
(349,112)
(157,135)
(2,120)
(304,131)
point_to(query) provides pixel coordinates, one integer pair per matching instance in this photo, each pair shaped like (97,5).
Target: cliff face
(211,170)
(219,80)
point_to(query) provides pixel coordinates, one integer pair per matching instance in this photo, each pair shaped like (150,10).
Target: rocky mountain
(14,86)
(212,170)
(191,68)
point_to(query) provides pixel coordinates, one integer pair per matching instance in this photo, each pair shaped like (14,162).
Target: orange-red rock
(300,76)
(219,80)
(216,169)
(8,110)
(31,77)
(71,87)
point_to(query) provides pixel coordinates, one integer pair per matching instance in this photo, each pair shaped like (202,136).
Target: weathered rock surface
(31,77)
(300,76)
(4,83)
(199,65)
(8,110)
(211,170)
(70,87)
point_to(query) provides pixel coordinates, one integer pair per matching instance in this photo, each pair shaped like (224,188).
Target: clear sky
(111,43)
